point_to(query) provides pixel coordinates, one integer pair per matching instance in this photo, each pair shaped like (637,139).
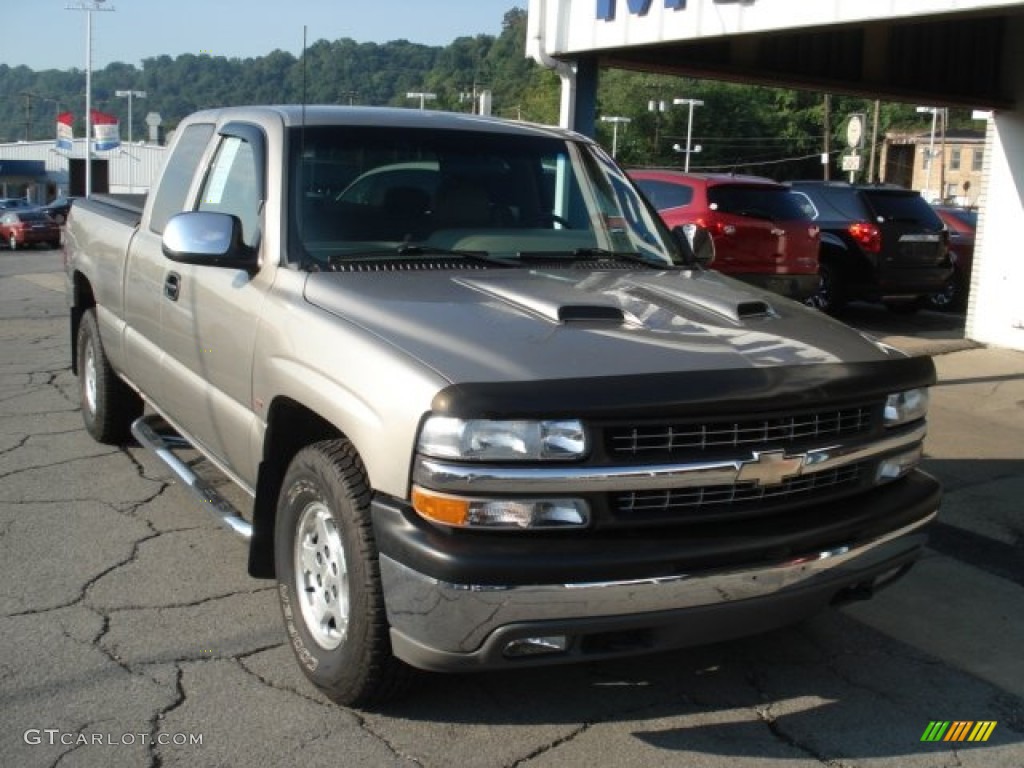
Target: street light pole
(130,95)
(615,120)
(931,145)
(138,95)
(422,96)
(88,6)
(689,126)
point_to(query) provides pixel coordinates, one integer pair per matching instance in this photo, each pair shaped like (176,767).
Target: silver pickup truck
(489,410)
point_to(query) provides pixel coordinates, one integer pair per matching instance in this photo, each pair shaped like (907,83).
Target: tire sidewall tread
(362,670)
(117,405)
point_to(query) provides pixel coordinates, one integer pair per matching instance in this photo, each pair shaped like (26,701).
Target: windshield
(370,192)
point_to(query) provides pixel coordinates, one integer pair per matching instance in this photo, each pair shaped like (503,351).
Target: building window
(976,161)
(954,159)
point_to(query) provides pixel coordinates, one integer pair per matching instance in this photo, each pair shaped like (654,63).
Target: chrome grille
(668,439)
(709,501)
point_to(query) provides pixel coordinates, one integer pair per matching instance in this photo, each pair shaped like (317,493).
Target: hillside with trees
(746,129)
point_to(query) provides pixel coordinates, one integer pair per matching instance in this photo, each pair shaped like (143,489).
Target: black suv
(878,242)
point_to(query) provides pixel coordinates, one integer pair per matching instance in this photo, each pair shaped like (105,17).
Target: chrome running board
(146,432)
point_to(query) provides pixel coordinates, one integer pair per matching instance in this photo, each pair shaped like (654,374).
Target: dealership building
(939,53)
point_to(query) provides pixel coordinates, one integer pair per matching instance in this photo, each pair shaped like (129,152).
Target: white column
(996,311)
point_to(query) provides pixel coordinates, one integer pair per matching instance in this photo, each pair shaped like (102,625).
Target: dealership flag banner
(65,130)
(105,131)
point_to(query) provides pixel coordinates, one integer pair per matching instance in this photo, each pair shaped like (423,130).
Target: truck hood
(526,324)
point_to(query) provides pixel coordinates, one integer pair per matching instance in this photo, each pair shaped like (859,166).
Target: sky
(53,37)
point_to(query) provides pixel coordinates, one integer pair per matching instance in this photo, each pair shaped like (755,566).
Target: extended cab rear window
(778,204)
(181,167)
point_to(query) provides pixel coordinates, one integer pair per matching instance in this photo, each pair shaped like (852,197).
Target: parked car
(760,231)
(8,203)
(878,243)
(961,223)
(26,227)
(58,208)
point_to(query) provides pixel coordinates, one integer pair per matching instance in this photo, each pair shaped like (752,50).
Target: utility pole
(28,113)
(826,156)
(874,144)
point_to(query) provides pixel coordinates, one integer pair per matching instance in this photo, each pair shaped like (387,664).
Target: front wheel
(109,406)
(329,578)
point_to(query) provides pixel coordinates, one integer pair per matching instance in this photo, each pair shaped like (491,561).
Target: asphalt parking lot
(130,634)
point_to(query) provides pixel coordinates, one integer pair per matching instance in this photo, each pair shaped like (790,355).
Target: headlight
(904,407)
(444,437)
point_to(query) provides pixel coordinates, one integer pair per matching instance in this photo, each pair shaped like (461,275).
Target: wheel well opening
(82,299)
(291,426)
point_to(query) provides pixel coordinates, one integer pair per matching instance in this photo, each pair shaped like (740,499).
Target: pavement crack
(17,446)
(254,651)
(60,463)
(239,660)
(155,760)
(191,603)
(84,590)
(544,749)
(52,382)
(765,716)
(364,725)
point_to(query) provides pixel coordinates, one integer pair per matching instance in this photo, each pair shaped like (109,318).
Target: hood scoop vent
(589,312)
(747,309)
(726,304)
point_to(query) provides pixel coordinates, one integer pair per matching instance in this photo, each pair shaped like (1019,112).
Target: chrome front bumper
(460,627)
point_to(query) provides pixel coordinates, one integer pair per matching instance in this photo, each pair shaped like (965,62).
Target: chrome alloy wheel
(89,378)
(321,576)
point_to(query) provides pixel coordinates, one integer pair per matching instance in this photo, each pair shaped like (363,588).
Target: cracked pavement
(126,614)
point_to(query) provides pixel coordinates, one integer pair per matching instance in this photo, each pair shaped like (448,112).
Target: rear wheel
(329,578)
(952,297)
(831,294)
(109,406)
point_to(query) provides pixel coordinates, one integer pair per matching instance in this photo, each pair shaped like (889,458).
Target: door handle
(172,286)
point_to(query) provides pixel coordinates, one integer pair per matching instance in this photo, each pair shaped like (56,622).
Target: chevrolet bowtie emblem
(770,468)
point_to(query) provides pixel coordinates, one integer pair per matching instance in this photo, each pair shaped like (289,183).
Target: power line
(759,162)
(762,139)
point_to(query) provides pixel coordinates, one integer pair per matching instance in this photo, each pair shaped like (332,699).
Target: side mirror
(696,244)
(208,239)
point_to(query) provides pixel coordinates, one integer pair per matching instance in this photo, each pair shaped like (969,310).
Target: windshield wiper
(587,254)
(417,249)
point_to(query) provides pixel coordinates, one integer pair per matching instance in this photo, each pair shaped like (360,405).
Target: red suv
(762,235)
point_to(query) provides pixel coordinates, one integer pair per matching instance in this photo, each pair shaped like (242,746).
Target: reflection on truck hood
(553,323)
